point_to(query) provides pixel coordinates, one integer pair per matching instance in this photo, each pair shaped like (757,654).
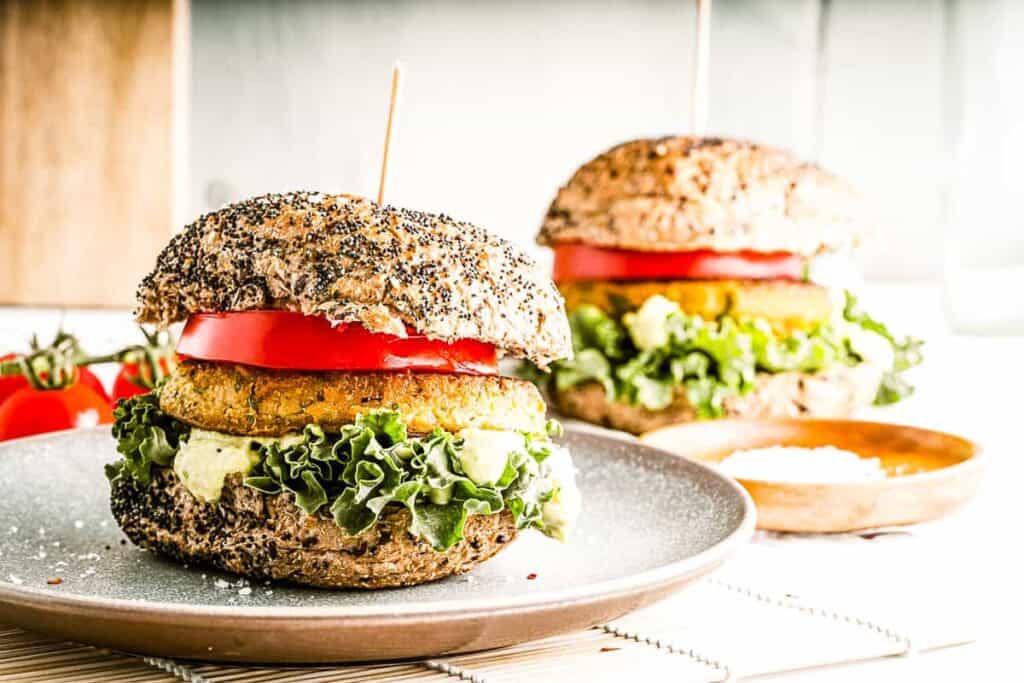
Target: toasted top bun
(685,194)
(351,260)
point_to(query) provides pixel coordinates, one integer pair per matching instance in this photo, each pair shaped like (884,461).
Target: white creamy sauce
(648,326)
(207,458)
(560,513)
(873,348)
(484,456)
(485,452)
(822,465)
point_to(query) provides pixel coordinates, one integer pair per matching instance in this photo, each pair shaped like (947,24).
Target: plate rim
(624,586)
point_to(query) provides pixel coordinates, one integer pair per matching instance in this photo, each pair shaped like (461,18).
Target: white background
(918,102)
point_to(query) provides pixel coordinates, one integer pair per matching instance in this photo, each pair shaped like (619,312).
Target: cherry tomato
(10,383)
(128,383)
(89,379)
(290,340)
(35,411)
(583,262)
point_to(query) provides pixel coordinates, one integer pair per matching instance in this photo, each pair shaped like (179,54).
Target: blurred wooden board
(87,146)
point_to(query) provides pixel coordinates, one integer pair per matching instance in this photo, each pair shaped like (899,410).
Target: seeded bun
(685,194)
(833,393)
(269,537)
(352,260)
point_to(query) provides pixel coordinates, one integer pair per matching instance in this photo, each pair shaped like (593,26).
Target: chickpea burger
(684,265)
(337,418)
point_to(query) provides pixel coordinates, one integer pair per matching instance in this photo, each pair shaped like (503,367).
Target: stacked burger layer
(337,418)
(684,262)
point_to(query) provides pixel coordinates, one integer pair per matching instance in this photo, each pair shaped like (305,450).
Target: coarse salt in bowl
(822,465)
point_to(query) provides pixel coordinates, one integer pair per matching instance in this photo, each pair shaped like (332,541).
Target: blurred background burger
(685,264)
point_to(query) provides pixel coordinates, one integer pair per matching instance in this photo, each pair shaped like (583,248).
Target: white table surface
(968,385)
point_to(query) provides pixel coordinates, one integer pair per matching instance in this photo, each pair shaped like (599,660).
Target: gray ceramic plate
(652,523)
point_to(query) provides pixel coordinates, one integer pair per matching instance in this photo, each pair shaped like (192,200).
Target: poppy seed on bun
(349,259)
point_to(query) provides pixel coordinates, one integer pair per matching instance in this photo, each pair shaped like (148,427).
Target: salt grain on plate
(244,591)
(822,465)
(221,583)
(15,580)
(79,524)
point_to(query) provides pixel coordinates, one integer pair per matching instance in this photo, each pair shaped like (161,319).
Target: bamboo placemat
(744,620)
(25,657)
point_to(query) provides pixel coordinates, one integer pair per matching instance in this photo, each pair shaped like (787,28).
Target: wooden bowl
(929,472)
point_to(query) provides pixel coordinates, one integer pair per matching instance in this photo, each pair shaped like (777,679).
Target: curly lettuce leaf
(907,352)
(800,351)
(707,360)
(588,365)
(146,436)
(592,329)
(355,474)
(648,356)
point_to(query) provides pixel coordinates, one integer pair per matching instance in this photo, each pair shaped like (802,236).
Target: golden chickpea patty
(238,399)
(786,305)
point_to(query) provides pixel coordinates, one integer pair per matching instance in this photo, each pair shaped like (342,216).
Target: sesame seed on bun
(687,194)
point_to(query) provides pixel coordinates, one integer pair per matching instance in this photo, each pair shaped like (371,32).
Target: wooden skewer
(701,58)
(396,78)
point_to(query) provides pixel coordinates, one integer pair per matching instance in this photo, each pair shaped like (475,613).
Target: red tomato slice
(293,341)
(33,411)
(583,262)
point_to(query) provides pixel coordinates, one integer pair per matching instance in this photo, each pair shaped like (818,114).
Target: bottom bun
(836,392)
(267,537)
